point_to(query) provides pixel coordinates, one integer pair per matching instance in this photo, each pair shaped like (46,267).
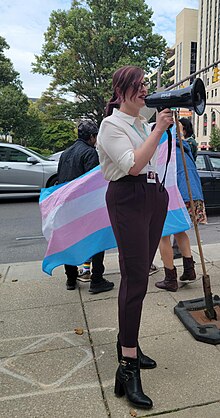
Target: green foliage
(85,45)
(7,73)
(43,151)
(59,135)
(13,110)
(58,129)
(32,134)
(13,102)
(215,138)
(44,125)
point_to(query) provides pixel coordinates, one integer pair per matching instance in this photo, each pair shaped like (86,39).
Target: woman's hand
(164,120)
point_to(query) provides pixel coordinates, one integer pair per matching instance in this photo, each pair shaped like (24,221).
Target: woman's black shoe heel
(128,382)
(145,361)
(119,390)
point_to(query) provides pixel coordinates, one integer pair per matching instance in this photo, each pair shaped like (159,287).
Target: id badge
(151,176)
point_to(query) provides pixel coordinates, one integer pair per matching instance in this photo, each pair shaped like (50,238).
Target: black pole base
(192,314)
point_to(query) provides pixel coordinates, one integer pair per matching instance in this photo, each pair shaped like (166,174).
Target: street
(21,237)
(20,234)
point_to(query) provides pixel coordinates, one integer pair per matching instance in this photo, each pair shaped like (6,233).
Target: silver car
(56,156)
(23,170)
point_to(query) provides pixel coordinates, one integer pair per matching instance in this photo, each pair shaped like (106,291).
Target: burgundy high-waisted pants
(137,212)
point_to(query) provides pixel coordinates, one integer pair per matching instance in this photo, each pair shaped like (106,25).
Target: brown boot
(170,281)
(189,273)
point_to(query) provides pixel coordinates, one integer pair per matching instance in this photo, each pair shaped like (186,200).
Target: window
(205,124)
(3,153)
(200,163)
(193,57)
(17,156)
(213,118)
(215,162)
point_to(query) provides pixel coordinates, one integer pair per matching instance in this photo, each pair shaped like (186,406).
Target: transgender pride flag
(75,220)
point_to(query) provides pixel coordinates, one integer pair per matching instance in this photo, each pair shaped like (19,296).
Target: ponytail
(114,102)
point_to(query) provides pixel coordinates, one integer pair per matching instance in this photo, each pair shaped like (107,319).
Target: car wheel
(52,182)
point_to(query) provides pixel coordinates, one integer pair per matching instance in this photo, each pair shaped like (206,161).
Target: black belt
(141,178)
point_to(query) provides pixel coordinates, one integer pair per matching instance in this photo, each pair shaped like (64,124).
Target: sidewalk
(47,370)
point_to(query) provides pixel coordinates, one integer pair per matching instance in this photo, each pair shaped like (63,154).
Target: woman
(137,210)
(189,275)
(188,135)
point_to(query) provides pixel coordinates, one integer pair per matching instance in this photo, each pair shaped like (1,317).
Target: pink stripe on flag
(71,191)
(162,155)
(175,200)
(75,231)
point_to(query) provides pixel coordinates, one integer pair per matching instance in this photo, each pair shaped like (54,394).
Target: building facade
(208,52)
(197,46)
(186,49)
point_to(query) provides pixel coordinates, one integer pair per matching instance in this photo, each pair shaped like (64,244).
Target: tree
(13,110)
(85,45)
(13,102)
(7,73)
(58,129)
(33,130)
(215,138)
(59,134)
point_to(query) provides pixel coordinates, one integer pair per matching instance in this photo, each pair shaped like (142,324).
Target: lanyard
(137,131)
(168,154)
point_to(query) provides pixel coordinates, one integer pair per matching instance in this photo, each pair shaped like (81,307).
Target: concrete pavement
(47,370)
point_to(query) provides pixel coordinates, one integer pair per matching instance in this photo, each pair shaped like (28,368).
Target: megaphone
(192,97)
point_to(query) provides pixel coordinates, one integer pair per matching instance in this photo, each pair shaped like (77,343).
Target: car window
(3,153)
(17,156)
(215,161)
(200,163)
(38,155)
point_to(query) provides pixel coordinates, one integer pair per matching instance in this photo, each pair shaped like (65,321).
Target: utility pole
(193,75)
(159,72)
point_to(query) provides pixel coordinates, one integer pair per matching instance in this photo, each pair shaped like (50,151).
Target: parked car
(56,156)
(23,170)
(208,165)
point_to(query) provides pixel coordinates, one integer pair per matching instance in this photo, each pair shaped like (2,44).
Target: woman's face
(137,99)
(182,130)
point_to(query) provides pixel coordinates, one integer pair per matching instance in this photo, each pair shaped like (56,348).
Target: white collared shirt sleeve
(116,152)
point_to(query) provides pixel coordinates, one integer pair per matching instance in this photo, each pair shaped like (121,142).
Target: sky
(24,22)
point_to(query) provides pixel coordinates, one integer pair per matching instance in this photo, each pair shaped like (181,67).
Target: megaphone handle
(159,109)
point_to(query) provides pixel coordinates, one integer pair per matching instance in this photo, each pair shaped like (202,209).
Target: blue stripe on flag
(44,193)
(77,254)
(176,221)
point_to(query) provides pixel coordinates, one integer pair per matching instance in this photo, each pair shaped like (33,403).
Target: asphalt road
(21,237)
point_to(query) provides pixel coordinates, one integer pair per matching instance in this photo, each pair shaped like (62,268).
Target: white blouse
(118,136)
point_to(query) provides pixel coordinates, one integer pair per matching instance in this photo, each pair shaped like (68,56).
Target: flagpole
(209,311)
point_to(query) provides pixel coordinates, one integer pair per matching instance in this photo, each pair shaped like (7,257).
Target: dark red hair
(122,79)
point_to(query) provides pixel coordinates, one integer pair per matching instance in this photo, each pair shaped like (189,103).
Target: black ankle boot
(145,361)
(189,273)
(128,382)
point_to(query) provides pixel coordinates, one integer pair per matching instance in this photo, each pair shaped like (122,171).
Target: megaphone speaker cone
(192,97)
